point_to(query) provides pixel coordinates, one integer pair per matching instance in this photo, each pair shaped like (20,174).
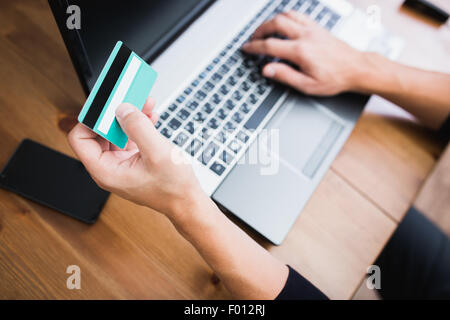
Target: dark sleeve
(444,131)
(298,288)
(415,263)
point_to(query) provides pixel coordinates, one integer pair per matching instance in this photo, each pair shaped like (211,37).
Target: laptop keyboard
(215,118)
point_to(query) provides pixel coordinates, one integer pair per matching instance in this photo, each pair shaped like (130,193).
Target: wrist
(369,73)
(193,210)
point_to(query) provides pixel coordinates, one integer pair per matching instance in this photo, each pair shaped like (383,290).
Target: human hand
(328,65)
(146,171)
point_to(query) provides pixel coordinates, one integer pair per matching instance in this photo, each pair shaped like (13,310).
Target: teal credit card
(124,78)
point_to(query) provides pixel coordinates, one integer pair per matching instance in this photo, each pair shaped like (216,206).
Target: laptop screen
(145,26)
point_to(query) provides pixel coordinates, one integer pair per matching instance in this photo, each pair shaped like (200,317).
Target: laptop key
(245,108)
(164,116)
(332,21)
(183,114)
(298,5)
(180,99)
(242,136)
(216,99)
(222,113)
(224,89)
(252,99)
(229,104)
(217,168)
(224,69)
(213,123)
(200,95)
(190,127)
(234,146)
(330,24)
(167,132)
(204,134)
(208,86)
(208,153)
(193,147)
(174,124)
(321,14)
(158,124)
(335,17)
(226,157)
(216,77)
(188,91)
(192,105)
(237,95)
(208,108)
(199,117)
(239,72)
(254,77)
(245,86)
(311,8)
(181,139)
(195,83)
(221,137)
(261,89)
(173,107)
(237,117)
(229,126)
(231,61)
(232,81)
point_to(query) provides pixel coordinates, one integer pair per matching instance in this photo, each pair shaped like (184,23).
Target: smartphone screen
(53,179)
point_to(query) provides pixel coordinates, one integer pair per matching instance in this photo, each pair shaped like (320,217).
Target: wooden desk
(132,252)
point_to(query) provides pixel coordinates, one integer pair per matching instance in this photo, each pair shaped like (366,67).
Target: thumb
(286,74)
(139,128)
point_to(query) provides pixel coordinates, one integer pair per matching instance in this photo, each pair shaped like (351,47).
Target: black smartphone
(428,9)
(53,179)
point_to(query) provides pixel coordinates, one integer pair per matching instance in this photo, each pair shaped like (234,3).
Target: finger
(139,128)
(154,117)
(299,18)
(148,106)
(285,74)
(279,25)
(148,110)
(86,146)
(283,49)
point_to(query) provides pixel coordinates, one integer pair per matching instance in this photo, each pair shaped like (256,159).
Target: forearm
(246,269)
(424,94)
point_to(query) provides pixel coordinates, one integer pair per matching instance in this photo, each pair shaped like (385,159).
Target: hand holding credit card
(124,78)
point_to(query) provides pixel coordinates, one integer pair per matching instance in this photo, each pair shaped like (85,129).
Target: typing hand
(147,171)
(328,66)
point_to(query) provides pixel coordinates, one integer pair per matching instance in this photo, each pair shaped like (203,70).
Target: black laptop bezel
(77,51)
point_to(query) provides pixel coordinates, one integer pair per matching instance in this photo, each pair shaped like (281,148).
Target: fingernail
(245,46)
(269,72)
(124,109)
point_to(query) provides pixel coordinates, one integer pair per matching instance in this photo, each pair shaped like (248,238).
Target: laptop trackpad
(307,131)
